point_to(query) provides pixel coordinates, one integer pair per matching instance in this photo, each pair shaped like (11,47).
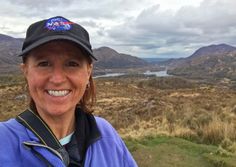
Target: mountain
(9,48)
(109,58)
(213,50)
(214,61)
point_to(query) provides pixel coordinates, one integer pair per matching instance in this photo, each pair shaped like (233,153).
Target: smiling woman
(58,128)
(62,75)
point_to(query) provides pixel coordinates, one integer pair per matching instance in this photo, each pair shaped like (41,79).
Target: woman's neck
(61,125)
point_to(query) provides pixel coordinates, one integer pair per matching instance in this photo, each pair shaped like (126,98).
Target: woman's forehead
(58,47)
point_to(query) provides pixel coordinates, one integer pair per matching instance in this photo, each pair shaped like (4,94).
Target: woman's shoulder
(102,122)
(105,127)
(112,144)
(8,125)
(11,129)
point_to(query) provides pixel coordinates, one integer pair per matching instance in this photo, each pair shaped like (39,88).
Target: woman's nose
(58,75)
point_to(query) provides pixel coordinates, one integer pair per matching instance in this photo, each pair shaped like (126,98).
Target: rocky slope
(9,48)
(214,61)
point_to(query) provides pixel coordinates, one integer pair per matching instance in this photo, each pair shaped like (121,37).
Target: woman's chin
(57,111)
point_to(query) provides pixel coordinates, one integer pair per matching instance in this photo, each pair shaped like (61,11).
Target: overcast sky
(143,28)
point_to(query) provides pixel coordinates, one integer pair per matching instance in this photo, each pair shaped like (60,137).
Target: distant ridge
(109,58)
(5,37)
(214,61)
(9,48)
(213,50)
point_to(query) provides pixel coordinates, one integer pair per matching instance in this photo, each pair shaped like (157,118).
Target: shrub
(166,83)
(213,133)
(232,148)
(222,152)
(204,119)
(226,143)
(233,110)
(216,131)
(190,121)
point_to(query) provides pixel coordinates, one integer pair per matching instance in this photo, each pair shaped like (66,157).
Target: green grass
(175,152)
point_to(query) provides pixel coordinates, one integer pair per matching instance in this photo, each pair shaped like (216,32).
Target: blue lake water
(109,75)
(157,73)
(147,73)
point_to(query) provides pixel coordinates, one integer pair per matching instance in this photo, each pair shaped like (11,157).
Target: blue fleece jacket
(19,147)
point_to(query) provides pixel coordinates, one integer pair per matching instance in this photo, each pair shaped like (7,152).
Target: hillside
(214,61)
(109,58)
(9,48)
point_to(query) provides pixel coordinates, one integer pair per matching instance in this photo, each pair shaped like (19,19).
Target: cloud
(41,4)
(213,21)
(147,28)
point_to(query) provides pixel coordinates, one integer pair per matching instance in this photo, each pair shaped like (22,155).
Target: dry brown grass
(137,108)
(203,113)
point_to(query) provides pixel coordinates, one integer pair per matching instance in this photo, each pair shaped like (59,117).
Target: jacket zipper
(48,164)
(33,144)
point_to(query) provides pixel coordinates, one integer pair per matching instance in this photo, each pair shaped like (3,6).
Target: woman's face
(57,74)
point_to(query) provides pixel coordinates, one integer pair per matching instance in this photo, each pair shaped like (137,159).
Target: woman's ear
(90,69)
(23,69)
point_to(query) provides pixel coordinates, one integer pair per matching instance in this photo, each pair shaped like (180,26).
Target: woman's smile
(58,93)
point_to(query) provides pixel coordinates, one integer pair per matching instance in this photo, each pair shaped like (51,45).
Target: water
(109,75)
(157,73)
(147,73)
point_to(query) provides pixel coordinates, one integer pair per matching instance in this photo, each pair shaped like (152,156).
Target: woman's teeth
(58,93)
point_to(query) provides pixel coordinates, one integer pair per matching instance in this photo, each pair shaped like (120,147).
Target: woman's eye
(43,64)
(73,64)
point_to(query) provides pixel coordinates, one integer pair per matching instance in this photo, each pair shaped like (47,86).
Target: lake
(147,73)
(157,73)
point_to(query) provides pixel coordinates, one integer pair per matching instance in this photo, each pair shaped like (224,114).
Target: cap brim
(56,37)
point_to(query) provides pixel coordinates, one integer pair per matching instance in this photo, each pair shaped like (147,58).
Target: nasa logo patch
(58,24)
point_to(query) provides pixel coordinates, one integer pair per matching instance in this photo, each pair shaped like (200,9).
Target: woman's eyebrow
(39,55)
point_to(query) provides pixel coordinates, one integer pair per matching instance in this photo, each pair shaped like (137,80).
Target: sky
(142,28)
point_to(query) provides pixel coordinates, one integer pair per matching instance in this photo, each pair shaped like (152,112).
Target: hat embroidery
(58,24)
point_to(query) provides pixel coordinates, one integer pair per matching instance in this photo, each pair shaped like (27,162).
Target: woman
(58,129)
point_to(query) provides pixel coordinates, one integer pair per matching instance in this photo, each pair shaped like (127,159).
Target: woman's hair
(87,101)
(89,98)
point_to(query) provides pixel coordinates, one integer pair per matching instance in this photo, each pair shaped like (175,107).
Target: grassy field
(165,151)
(194,123)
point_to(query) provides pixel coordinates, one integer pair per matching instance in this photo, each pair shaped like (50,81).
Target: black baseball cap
(56,28)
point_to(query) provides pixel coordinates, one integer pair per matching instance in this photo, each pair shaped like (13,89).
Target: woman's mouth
(58,93)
